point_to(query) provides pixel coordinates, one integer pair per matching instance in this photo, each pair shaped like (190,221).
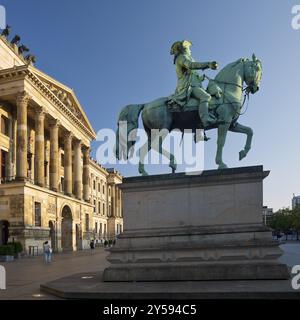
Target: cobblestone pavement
(25,275)
(291,255)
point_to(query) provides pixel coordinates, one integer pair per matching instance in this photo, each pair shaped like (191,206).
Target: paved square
(24,276)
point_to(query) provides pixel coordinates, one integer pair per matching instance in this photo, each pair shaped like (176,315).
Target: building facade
(106,198)
(295,201)
(47,176)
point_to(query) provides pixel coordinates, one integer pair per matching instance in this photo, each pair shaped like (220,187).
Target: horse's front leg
(239,128)
(222,133)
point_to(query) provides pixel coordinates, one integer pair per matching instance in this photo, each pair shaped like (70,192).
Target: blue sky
(116,52)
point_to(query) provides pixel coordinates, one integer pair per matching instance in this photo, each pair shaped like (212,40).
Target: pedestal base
(207,227)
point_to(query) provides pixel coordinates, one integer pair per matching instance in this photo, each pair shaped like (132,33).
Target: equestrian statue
(193,107)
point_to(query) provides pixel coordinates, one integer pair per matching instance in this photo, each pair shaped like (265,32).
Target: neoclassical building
(50,187)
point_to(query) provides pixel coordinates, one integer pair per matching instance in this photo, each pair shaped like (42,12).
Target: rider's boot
(206,118)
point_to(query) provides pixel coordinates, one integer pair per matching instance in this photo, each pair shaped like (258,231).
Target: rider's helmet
(178,46)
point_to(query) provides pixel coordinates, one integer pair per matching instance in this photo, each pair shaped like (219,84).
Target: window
(100,230)
(104,229)
(99,207)
(99,186)
(103,212)
(37,214)
(87,222)
(103,189)
(62,181)
(3,162)
(96,227)
(94,185)
(94,206)
(45,169)
(4,125)
(109,210)
(62,160)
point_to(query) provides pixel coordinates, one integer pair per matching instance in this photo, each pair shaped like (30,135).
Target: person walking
(92,245)
(47,252)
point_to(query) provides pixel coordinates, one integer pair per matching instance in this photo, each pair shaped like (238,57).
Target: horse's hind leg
(145,148)
(165,153)
(239,128)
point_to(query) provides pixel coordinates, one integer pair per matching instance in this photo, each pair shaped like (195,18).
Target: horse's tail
(128,123)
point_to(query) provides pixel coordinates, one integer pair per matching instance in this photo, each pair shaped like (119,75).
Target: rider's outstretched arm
(194,65)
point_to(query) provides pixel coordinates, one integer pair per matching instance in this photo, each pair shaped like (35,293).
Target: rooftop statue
(16,39)
(22,48)
(6,31)
(193,107)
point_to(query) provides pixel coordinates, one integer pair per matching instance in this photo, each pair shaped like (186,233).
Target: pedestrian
(47,252)
(92,245)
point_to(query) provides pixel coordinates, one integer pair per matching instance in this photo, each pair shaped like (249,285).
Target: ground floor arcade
(32,215)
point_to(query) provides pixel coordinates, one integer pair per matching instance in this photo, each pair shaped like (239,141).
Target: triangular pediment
(65,95)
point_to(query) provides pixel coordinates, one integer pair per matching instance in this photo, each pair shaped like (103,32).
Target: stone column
(113,200)
(39,157)
(68,164)
(86,173)
(22,104)
(54,155)
(9,161)
(120,203)
(77,170)
(117,202)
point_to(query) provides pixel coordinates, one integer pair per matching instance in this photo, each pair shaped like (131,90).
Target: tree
(296,220)
(282,221)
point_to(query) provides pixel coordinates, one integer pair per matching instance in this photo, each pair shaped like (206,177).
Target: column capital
(39,112)
(68,135)
(23,97)
(78,142)
(86,150)
(54,123)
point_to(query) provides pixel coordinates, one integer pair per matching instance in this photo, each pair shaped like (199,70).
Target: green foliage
(18,248)
(7,250)
(105,243)
(286,219)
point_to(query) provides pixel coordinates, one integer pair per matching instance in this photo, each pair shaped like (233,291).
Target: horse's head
(253,73)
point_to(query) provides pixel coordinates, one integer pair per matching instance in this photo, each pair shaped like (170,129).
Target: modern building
(50,188)
(267,215)
(295,201)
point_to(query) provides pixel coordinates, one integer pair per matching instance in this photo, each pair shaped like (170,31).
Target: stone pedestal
(207,227)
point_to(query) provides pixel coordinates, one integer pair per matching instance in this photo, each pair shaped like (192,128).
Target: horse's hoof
(222,166)
(242,154)
(143,173)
